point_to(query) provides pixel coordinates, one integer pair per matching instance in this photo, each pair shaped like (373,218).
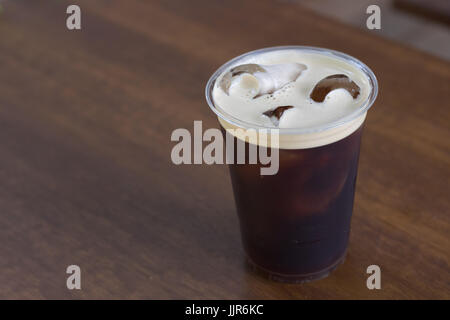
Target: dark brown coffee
(295,225)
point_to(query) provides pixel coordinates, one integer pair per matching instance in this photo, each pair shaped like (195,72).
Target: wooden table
(86,176)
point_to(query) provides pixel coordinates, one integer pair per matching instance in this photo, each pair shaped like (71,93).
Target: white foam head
(286,76)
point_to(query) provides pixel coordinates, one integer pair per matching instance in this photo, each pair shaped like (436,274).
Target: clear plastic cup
(295,225)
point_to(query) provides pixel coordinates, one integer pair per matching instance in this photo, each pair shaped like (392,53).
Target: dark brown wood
(86,177)
(436,10)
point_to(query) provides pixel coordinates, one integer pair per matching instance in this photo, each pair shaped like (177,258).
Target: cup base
(295,278)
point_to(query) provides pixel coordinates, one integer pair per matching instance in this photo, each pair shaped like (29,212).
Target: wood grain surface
(85,170)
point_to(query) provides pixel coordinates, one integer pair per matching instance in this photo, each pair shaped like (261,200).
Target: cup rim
(341,121)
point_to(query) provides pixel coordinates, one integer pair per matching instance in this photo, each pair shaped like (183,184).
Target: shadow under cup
(295,224)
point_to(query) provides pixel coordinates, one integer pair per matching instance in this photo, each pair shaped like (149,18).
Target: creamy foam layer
(250,96)
(306,112)
(300,141)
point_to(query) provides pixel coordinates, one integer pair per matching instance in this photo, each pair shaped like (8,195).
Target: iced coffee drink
(295,224)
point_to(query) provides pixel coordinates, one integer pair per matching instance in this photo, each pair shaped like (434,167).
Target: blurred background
(422,24)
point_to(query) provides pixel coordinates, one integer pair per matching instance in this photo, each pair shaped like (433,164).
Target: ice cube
(338,97)
(270,77)
(227,78)
(245,85)
(333,82)
(275,114)
(291,118)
